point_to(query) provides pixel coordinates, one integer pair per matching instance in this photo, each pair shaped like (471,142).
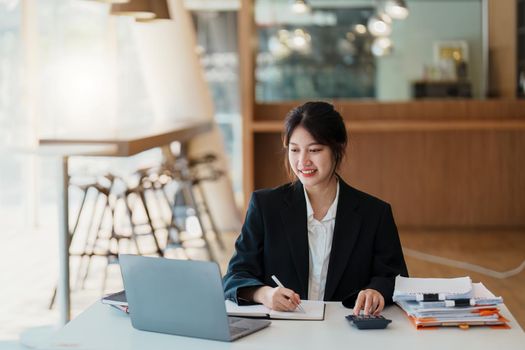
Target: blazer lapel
(346,230)
(295,226)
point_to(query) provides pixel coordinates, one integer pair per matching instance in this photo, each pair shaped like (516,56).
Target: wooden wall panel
(441,163)
(502,48)
(432,179)
(268,161)
(475,110)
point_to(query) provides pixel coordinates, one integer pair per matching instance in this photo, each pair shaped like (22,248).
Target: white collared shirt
(320,235)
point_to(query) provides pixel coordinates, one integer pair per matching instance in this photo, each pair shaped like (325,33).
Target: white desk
(102,327)
(124,144)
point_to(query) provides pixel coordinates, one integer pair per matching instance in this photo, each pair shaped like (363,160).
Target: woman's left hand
(370,301)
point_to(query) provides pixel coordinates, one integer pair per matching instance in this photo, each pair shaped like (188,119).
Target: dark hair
(325,125)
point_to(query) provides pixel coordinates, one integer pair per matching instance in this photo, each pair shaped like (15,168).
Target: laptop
(180,297)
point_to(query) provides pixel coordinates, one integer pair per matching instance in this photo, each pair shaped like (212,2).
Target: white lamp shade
(172,72)
(175,79)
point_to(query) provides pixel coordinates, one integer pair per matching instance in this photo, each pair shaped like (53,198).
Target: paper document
(450,288)
(460,303)
(483,296)
(314,310)
(118,298)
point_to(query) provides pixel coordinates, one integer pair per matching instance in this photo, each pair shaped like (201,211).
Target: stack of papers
(431,302)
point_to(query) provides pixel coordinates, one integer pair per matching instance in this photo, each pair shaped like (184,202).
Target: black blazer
(366,251)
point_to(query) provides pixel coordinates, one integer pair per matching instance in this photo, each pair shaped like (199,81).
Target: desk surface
(102,327)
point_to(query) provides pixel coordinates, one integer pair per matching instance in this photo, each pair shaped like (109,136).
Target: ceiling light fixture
(396,9)
(380,24)
(382,46)
(300,6)
(360,28)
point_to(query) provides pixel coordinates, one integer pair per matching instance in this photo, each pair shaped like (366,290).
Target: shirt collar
(330,214)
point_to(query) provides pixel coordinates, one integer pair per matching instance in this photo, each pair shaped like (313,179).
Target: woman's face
(311,162)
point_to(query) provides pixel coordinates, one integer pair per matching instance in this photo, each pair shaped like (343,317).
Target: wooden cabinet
(520,83)
(440,163)
(441,89)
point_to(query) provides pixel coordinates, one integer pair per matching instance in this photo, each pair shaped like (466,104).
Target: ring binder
(430,297)
(464,302)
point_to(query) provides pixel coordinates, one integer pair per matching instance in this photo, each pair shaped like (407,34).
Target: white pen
(282,286)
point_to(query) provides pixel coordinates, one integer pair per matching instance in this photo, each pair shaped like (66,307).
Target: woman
(323,239)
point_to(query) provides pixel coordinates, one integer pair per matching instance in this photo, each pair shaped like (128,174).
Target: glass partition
(363,49)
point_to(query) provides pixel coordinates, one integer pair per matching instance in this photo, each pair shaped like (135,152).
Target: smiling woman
(324,239)
(325,137)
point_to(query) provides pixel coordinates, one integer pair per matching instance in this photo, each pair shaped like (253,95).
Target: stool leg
(206,208)
(81,208)
(131,223)
(91,251)
(88,236)
(157,204)
(113,238)
(75,227)
(183,171)
(172,240)
(172,224)
(146,210)
(188,193)
(139,197)
(131,238)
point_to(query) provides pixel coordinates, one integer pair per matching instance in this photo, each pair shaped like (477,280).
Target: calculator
(368,321)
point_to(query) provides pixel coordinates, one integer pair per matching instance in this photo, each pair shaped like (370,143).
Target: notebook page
(246,310)
(314,310)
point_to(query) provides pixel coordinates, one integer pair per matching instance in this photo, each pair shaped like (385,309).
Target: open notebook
(314,310)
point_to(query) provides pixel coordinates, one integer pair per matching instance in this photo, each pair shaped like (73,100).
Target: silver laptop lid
(179,297)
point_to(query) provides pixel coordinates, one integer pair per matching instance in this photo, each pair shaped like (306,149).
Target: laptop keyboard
(233,329)
(234,320)
(236,330)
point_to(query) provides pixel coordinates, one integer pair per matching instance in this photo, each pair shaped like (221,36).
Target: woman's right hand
(278,298)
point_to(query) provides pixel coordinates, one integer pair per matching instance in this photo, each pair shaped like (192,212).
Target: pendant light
(396,9)
(300,6)
(380,24)
(382,46)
